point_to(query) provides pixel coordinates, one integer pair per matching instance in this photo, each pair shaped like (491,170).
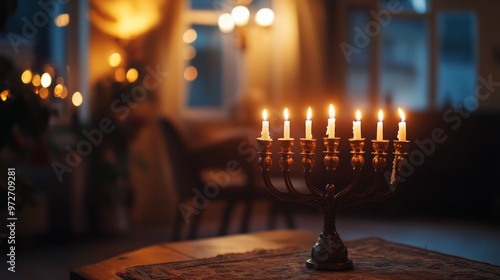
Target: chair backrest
(185,169)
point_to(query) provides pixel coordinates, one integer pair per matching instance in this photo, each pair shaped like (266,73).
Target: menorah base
(312,264)
(329,252)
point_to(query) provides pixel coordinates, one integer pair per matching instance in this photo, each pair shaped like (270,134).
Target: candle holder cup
(329,252)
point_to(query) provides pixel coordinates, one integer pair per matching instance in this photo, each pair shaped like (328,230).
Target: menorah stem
(329,252)
(331,161)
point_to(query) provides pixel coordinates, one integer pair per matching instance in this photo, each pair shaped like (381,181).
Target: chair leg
(177,227)
(285,209)
(245,221)
(272,215)
(288,215)
(226,217)
(193,227)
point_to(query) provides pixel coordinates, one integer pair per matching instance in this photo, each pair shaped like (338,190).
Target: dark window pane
(203,4)
(357,54)
(457,56)
(404,78)
(206,89)
(412,6)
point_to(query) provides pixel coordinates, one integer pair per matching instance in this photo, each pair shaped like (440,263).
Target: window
(358,70)
(211,72)
(404,64)
(395,60)
(204,71)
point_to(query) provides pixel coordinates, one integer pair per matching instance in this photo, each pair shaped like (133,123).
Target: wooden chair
(190,168)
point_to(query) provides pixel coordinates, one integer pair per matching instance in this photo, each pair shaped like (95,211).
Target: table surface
(195,249)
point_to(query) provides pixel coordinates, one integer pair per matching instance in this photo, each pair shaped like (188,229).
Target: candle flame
(264,115)
(285,114)
(332,112)
(358,115)
(309,113)
(402,114)
(380,116)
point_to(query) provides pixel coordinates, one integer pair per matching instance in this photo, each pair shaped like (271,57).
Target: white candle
(402,126)
(356,126)
(286,127)
(380,126)
(265,127)
(330,129)
(309,124)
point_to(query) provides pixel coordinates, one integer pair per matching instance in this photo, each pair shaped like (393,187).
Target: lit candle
(309,124)
(286,128)
(356,126)
(380,126)
(265,127)
(402,126)
(330,129)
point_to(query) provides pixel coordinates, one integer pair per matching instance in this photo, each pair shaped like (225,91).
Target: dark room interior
(126,124)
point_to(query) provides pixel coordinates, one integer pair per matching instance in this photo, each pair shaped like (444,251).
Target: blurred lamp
(240,15)
(226,23)
(238,21)
(264,17)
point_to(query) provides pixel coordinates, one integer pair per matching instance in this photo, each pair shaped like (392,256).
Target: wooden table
(196,249)
(376,259)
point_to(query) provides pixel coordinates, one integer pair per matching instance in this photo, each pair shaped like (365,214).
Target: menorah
(329,252)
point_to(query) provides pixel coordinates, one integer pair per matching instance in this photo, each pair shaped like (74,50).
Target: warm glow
(26,76)
(58,89)
(358,115)
(114,59)
(77,99)
(43,93)
(331,111)
(50,70)
(190,73)
(285,114)
(380,116)
(60,80)
(226,23)
(132,75)
(5,94)
(264,115)
(240,15)
(189,36)
(36,80)
(309,113)
(125,19)
(189,53)
(64,92)
(62,20)
(46,80)
(402,114)
(264,17)
(120,75)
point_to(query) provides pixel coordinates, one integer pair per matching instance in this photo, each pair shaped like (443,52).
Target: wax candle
(356,126)
(380,126)
(265,127)
(402,126)
(286,127)
(330,129)
(309,124)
